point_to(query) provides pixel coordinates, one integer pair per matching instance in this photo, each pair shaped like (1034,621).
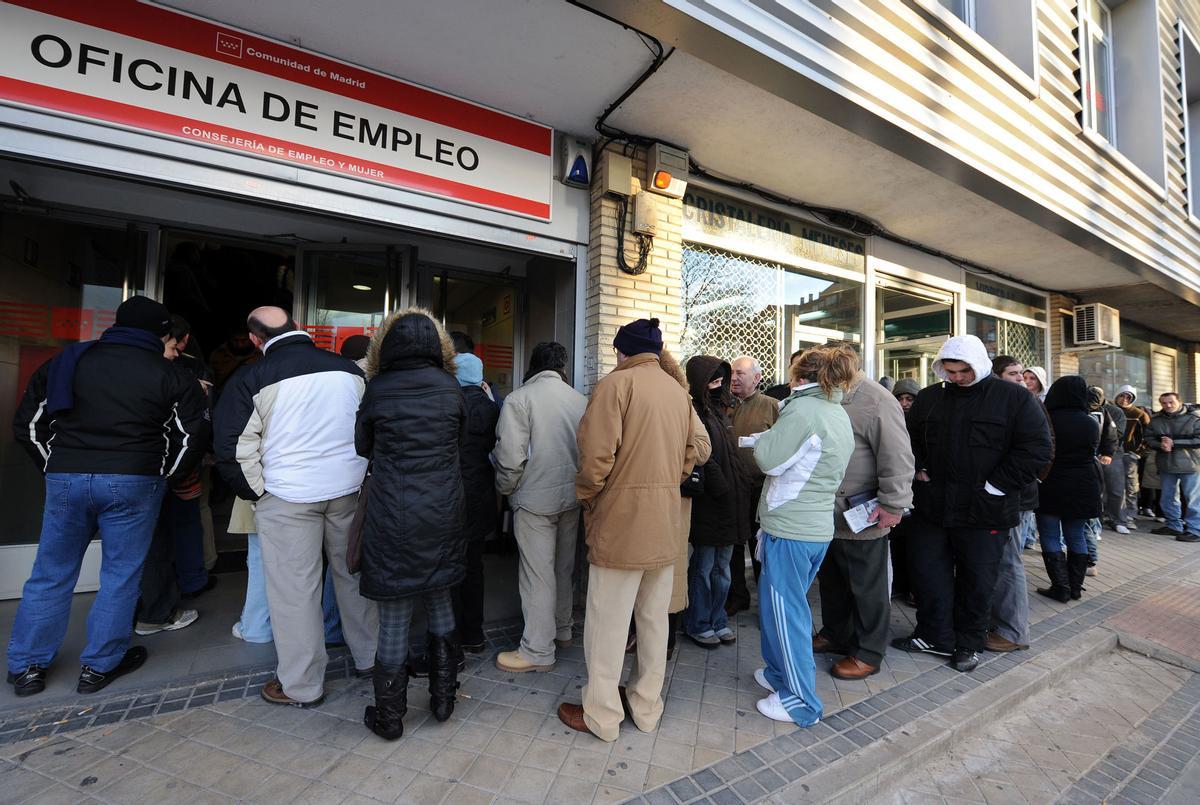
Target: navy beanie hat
(144,313)
(639,336)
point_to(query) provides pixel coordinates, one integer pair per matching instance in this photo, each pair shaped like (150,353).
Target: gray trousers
(1132,486)
(1010,600)
(547,547)
(855,600)
(1114,489)
(292,535)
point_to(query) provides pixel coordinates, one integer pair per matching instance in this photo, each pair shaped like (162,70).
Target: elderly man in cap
(111,423)
(636,446)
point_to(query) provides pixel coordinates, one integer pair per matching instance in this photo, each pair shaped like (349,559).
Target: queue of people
(367,483)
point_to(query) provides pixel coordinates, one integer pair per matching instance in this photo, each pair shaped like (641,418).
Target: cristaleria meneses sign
(153,69)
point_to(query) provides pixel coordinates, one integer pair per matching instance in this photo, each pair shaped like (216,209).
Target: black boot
(1056,569)
(443,653)
(391,701)
(1077,565)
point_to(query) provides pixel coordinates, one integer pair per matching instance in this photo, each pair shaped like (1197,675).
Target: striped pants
(785,619)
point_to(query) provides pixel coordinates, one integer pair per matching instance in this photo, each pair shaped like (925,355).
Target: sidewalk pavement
(217,742)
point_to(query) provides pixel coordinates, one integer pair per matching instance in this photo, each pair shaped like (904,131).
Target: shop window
(60,282)
(1120,82)
(1025,342)
(1112,368)
(734,305)
(1189,83)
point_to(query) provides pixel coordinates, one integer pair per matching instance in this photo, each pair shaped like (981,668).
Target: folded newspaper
(861,507)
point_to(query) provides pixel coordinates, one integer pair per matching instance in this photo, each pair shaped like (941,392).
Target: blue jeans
(1029,530)
(188,534)
(255,623)
(1091,533)
(123,509)
(785,619)
(1187,484)
(708,587)
(1055,532)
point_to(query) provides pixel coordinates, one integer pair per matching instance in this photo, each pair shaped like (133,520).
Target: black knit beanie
(143,313)
(639,336)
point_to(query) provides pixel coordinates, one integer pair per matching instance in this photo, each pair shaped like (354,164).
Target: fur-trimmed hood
(377,361)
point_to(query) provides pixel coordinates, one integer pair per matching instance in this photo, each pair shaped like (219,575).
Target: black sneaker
(1189,537)
(92,681)
(915,645)
(30,681)
(474,646)
(964,660)
(1167,531)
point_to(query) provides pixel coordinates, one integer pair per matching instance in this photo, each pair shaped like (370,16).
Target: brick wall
(1061,363)
(614,297)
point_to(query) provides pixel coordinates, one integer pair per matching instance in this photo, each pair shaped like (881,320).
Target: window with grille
(734,305)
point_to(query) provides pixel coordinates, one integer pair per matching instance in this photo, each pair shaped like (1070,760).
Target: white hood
(967,348)
(1130,390)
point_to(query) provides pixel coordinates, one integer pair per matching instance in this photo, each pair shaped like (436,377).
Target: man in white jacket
(536,458)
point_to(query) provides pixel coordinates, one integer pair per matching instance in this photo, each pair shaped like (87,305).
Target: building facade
(881,172)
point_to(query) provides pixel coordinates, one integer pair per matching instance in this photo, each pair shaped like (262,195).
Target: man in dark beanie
(636,446)
(535,458)
(110,422)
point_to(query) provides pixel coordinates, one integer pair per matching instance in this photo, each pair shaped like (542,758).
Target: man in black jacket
(110,422)
(978,442)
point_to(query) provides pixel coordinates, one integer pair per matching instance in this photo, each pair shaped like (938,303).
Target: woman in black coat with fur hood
(411,424)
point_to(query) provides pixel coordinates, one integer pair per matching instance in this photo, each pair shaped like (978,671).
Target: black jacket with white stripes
(134,413)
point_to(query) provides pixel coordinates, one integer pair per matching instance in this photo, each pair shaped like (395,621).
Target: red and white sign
(153,69)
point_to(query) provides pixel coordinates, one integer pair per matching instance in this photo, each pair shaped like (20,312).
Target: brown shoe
(853,668)
(823,645)
(1002,645)
(273,692)
(563,643)
(572,716)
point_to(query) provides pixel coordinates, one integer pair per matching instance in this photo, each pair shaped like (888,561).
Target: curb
(1156,651)
(863,774)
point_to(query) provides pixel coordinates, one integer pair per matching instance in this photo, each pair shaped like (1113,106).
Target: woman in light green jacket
(804,456)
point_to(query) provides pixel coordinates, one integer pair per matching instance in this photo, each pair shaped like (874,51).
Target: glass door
(914,322)
(487,308)
(347,291)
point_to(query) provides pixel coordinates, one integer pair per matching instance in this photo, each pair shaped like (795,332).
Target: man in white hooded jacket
(977,441)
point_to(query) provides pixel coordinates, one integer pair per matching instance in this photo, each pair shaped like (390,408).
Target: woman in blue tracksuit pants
(804,456)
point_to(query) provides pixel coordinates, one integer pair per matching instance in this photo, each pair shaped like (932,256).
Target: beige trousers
(292,535)
(547,548)
(613,595)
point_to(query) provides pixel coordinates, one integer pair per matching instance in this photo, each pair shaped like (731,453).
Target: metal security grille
(1022,341)
(731,307)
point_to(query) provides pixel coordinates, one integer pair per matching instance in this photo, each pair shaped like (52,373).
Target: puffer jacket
(1184,429)
(635,448)
(804,456)
(714,513)
(1072,490)
(412,425)
(479,478)
(967,437)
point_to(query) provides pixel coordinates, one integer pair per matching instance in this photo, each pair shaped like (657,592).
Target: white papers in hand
(858,518)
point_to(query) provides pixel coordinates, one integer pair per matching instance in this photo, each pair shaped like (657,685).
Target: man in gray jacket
(536,458)
(1174,434)
(855,600)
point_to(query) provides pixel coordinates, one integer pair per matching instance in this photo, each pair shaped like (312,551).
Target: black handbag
(693,487)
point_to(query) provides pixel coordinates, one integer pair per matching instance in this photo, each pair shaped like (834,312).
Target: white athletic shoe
(772,708)
(760,676)
(237,631)
(1121,529)
(179,619)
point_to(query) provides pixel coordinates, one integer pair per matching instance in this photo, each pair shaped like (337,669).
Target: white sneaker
(237,631)
(1121,529)
(179,619)
(760,676)
(772,708)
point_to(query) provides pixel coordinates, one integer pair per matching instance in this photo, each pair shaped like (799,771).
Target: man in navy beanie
(109,422)
(636,446)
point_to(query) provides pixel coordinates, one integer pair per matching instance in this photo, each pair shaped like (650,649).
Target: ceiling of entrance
(555,63)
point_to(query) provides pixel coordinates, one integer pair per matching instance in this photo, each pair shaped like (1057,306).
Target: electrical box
(574,162)
(618,175)
(1097,325)
(645,214)
(668,170)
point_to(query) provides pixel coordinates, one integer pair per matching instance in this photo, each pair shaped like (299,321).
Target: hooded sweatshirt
(1136,420)
(1109,417)
(980,445)
(1040,373)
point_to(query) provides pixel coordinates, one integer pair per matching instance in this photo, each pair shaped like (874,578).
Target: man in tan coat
(755,413)
(635,449)
(855,600)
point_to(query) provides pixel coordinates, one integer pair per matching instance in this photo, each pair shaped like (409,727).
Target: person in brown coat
(635,449)
(855,608)
(754,413)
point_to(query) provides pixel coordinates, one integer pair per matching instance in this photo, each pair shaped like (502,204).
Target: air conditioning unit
(1097,325)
